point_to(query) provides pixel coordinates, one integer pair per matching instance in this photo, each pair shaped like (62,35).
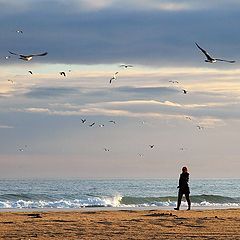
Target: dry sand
(123,224)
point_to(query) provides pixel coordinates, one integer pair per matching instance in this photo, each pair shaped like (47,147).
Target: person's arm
(179,182)
(187,178)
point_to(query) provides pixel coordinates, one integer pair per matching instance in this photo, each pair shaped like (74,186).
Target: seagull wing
(13,53)
(223,60)
(40,54)
(205,52)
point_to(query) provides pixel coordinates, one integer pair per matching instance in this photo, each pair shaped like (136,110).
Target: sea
(115,193)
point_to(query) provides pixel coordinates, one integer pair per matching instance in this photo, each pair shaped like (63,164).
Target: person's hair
(184,169)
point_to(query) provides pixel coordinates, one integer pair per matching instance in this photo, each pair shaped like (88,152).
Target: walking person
(183,188)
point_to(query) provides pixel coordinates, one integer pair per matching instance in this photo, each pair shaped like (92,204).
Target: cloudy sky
(42,134)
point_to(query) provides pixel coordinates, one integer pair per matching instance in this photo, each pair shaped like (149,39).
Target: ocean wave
(63,203)
(31,202)
(171,201)
(194,198)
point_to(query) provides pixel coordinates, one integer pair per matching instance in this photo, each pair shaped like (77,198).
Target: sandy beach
(121,224)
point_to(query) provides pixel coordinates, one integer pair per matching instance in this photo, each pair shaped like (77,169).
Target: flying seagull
(20,31)
(106,149)
(91,124)
(171,81)
(10,80)
(112,121)
(7,57)
(101,125)
(63,74)
(22,149)
(210,59)
(151,146)
(184,91)
(199,127)
(114,77)
(28,57)
(30,72)
(83,120)
(126,65)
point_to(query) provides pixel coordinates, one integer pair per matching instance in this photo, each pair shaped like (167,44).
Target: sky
(42,134)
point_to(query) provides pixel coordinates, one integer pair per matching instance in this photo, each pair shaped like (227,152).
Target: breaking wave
(40,201)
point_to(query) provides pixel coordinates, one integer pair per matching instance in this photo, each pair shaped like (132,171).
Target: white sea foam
(114,201)
(63,203)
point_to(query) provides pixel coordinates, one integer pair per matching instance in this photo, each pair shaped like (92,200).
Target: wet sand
(122,224)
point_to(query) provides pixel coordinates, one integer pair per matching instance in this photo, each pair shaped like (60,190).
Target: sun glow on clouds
(86,81)
(103,70)
(141,108)
(156,5)
(94,5)
(96,109)
(136,5)
(171,6)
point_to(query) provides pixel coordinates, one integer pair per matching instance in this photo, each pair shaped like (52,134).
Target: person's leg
(180,194)
(188,200)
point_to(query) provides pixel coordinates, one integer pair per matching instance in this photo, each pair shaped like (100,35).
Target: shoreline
(162,208)
(115,209)
(219,224)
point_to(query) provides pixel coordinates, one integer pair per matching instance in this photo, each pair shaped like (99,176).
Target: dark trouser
(180,195)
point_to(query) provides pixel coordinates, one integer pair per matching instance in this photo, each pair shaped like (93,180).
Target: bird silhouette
(63,74)
(211,59)
(114,77)
(10,80)
(126,65)
(171,81)
(28,57)
(83,120)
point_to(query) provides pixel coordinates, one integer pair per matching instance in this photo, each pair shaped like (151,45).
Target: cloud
(211,122)
(208,114)
(6,126)
(38,110)
(158,33)
(137,5)
(147,90)
(50,92)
